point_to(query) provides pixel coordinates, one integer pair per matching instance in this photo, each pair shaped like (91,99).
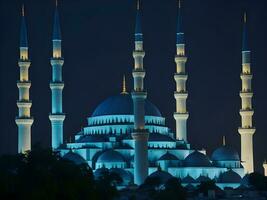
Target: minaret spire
(57,116)
(181,115)
(24,120)
(140,134)
(246,112)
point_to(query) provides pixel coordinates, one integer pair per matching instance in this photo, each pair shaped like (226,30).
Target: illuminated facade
(127,133)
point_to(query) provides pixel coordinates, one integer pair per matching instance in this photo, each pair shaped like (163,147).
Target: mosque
(127,133)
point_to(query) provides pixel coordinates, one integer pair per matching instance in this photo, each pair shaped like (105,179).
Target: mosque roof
(159,137)
(245,181)
(197,159)
(229,177)
(168,156)
(74,157)
(126,176)
(225,153)
(163,176)
(100,172)
(203,179)
(188,179)
(92,138)
(110,156)
(122,104)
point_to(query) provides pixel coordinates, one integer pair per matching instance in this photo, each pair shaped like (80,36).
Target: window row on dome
(122,129)
(100,120)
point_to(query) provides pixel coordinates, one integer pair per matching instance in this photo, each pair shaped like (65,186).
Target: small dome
(126,176)
(110,156)
(92,138)
(188,179)
(74,157)
(100,172)
(197,159)
(168,156)
(203,179)
(163,176)
(159,137)
(229,177)
(225,153)
(123,105)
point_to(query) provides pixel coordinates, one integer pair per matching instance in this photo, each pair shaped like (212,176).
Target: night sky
(97,47)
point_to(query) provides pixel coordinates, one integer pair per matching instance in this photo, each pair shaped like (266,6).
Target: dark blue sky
(97,47)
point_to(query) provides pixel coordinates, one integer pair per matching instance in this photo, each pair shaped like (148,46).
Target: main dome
(123,105)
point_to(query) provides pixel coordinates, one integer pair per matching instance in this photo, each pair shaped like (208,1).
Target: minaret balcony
(56,85)
(180,76)
(57,61)
(24,84)
(139,94)
(24,104)
(138,73)
(246,112)
(140,134)
(179,58)
(24,120)
(246,76)
(246,94)
(138,54)
(24,63)
(181,116)
(246,130)
(180,95)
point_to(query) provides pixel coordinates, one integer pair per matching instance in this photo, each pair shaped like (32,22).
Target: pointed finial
(56,3)
(138,5)
(245,17)
(179,3)
(223,140)
(22,10)
(124,90)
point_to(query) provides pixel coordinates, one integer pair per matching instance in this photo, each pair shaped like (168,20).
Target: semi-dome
(123,105)
(197,159)
(74,157)
(229,177)
(168,156)
(110,156)
(163,176)
(225,153)
(126,176)
(202,178)
(100,172)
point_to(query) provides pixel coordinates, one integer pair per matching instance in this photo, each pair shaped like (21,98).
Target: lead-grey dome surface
(123,105)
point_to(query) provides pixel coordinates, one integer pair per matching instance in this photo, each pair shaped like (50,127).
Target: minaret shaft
(140,134)
(24,120)
(57,116)
(246,112)
(181,115)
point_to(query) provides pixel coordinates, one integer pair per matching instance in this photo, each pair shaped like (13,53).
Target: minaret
(140,134)
(57,116)
(181,115)
(24,120)
(265,167)
(246,130)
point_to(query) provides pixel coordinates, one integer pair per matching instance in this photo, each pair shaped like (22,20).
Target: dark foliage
(205,186)
(258,181)
(44,175)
